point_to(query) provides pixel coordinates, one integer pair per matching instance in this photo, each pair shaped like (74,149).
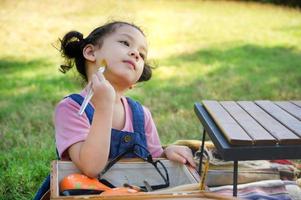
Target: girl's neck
(119,95)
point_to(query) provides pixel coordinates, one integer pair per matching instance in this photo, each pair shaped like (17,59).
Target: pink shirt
(71,128)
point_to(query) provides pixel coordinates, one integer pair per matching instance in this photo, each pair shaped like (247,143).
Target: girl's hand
(104,92)
(182,154)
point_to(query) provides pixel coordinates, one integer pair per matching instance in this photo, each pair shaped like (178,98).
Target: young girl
(118,122)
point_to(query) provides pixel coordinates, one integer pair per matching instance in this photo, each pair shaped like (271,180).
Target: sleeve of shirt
(152,137)
(70,128)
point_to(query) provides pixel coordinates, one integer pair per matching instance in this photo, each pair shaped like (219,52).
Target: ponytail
(72,46)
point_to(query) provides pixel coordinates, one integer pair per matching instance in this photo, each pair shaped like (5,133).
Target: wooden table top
(258,122)
(253,126)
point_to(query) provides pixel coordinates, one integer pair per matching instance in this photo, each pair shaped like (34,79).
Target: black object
(75,192)
(157,164)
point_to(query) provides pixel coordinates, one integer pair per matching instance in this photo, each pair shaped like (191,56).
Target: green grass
(202,50)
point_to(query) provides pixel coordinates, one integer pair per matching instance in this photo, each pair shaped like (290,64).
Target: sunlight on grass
(164,72)
(206,22)
(22,90)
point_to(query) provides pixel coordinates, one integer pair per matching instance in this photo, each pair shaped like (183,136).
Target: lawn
(201,50)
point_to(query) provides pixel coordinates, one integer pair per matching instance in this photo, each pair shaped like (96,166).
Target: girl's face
(125,51)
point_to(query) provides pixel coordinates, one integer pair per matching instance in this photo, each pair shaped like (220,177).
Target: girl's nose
(134,54)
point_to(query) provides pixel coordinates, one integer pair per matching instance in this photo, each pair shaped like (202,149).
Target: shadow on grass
(245,72)
(27,103)
(28,97)
(25,84)
(242,72)
(10,64)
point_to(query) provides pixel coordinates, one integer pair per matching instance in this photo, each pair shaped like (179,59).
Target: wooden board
(291,108)
(274,127)
(258,134)
(282,116)
(298,103)
(232,131)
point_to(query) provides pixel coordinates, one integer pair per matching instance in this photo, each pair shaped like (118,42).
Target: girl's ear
(89,52)
(132,86)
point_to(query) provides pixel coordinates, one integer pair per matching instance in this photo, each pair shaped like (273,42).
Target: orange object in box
(80,181)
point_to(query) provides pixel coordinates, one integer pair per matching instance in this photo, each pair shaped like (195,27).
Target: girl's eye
(142,56)
(125,43)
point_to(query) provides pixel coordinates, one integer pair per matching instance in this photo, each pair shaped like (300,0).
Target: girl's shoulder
(67,101)
(66,112)
(67,104)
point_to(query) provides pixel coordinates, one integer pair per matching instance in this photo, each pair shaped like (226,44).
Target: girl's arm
(91,155)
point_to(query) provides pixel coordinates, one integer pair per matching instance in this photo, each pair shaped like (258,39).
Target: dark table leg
(202,151)
(235,172)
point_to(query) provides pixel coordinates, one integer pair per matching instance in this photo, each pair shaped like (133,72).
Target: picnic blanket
(221,172)
(263,190)
(260,180)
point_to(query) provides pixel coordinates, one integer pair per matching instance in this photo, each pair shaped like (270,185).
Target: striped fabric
(263,190)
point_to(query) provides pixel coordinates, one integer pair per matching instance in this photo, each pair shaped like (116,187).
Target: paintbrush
(90,93)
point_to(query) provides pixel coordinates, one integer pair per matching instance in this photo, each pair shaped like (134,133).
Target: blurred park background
(223,50)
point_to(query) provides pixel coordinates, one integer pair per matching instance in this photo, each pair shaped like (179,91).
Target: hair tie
(81,39)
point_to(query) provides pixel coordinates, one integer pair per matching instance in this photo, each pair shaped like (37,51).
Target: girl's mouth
(131,63)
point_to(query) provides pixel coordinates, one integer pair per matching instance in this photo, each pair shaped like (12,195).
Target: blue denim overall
(120,140)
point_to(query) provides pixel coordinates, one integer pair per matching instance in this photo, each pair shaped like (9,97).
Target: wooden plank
(230,128)
(282,116)
(291,108)
(259,135)
(53,179)
(275,128)
(298,103)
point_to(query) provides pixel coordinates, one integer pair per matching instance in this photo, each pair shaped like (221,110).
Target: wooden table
(251,130)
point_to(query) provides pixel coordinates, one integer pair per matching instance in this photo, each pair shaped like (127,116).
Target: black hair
(73,43)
